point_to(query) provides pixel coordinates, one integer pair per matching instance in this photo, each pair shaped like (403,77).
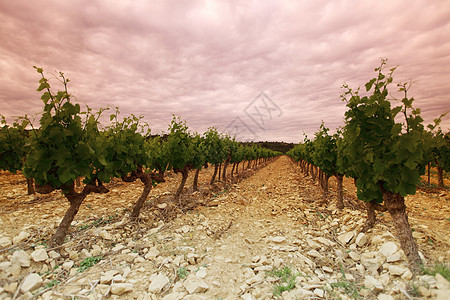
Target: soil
(233,222)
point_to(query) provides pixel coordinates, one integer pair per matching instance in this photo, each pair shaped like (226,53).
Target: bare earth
(229,246)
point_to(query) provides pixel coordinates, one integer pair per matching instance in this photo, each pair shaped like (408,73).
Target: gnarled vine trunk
(395,204)
(30,186)
(371,217)
(440,173)
(224,173)
(340,191)
(213,178)
(147,179)
(195,184)
(75,199)
(185,173)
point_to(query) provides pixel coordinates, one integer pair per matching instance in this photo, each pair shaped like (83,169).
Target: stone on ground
(31,282)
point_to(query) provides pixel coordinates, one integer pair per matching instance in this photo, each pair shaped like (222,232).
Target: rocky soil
(264,237)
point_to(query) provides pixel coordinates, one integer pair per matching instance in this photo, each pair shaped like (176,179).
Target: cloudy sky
(263,69)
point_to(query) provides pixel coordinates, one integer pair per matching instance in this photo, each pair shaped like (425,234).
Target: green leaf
(42,86)
(67,176)
(45,97)
(369,84)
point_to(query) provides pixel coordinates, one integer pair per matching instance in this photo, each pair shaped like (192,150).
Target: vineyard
(93,209)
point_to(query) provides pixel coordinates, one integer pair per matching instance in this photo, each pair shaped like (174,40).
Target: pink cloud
(206,60)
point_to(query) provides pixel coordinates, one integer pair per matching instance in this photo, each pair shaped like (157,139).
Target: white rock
(277,262)
(428,280)
(319,293)
(441,294)
(193,284)
(54,255)
(23,235)
(397,256)
(105,235)
(313,253)
(73,254)
(4,265)
(107,276)
(68,265)
(174,295)
(201,273)
(118,247)
(5,241)
(86,253)
(376,240)
(408,275)
(161,205)
(325,241)
(388,248)
(354,255)
(349,277)
(385,297)
(361,239)
(441,282)
(346,237)
(372,283)
(118,279)
(121,288)
(247,296)
(257,278)
(397,270)
(158,283)
(152,253)
(39,255)
(31,282)
(96,250)
(313,244)
(21,258)
(185,229)
(278,239)
(385,278)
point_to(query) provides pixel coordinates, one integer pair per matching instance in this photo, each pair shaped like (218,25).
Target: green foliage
(62,149)
(441,268)
(439,145)
(52,284)
(378,150)
(286,280)
(158,157)
(347,287)
(325,151)
(213,146)
(13,144)
(198,158)
(179,146)
(123,148)
(182,273)
(89,262)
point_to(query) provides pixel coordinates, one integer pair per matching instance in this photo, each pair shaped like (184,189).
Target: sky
(259,69)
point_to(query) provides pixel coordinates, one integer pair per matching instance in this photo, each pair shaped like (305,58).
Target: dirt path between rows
(252,240)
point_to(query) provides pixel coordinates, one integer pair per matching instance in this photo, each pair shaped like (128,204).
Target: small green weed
(349,288)
(98,222)
(286,280)
(182,273)
(441,268)
(52,284)
(413,290)
(89,262)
